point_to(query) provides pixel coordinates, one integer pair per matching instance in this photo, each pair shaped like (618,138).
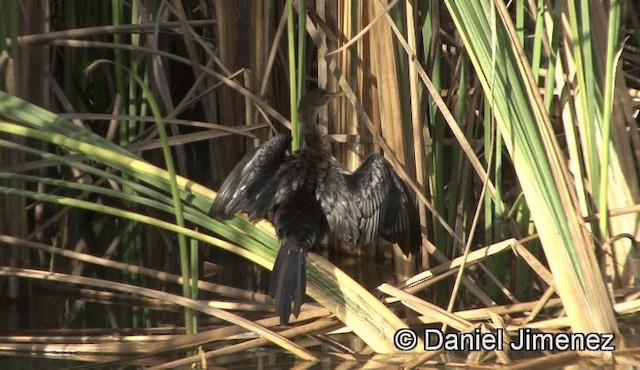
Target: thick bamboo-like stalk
(554,210)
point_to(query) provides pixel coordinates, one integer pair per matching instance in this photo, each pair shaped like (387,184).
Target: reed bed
(514,124)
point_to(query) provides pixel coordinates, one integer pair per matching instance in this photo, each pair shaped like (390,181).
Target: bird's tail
(289,280)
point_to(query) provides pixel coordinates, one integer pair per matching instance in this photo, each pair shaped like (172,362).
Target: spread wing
(369,202)
(251,174)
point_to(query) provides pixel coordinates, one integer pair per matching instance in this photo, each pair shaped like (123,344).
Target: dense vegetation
(516,126)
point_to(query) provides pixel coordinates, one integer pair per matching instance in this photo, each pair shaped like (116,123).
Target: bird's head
(313,101)
(308,110)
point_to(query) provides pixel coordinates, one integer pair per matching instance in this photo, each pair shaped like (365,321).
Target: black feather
(369,202)
(238,192)
(307,194)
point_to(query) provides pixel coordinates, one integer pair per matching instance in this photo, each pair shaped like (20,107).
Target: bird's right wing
(369,202)
(251,174)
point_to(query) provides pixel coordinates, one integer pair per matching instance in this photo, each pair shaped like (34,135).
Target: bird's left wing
(369,202)
(251,174)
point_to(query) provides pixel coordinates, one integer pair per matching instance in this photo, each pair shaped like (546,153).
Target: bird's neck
(313,137)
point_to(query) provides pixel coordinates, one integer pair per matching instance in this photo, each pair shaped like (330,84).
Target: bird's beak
(331,96)
(337,94)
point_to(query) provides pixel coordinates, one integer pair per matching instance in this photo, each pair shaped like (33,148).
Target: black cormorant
(307,194)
